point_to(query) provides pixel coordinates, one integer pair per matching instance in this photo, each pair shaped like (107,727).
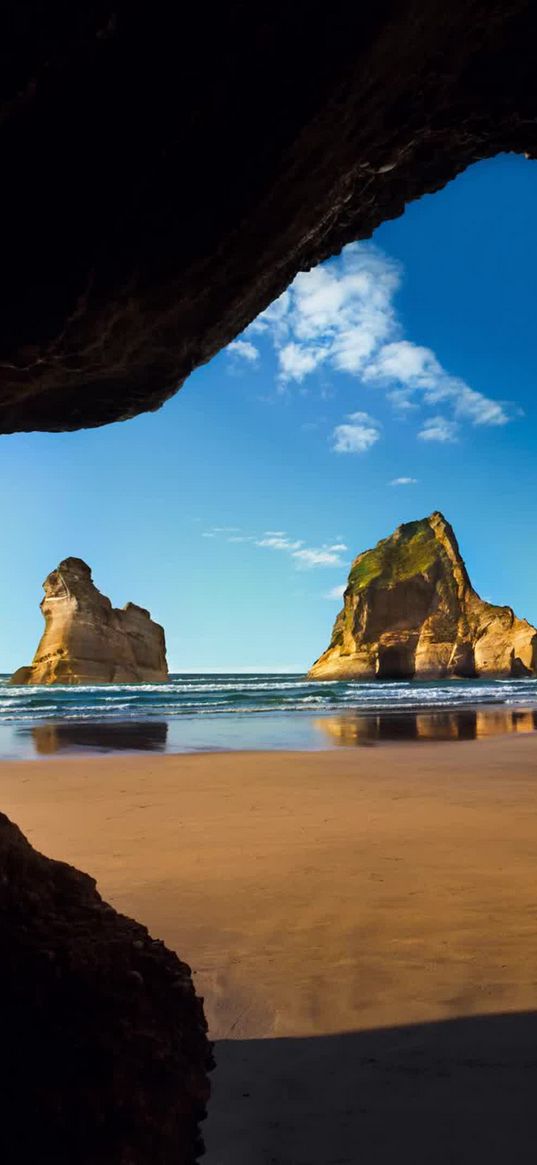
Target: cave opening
(396,662)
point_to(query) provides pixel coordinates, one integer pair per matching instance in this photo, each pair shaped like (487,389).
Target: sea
(211,713)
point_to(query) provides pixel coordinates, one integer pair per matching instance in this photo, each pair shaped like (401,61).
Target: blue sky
(397,379)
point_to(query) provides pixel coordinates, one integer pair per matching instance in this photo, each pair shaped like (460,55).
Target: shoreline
(301,730)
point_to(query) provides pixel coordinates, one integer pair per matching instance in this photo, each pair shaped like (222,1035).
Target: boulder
(104,1043)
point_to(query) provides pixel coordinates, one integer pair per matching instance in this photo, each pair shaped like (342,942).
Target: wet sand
(347,915)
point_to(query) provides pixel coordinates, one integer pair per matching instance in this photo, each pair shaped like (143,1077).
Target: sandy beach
(362,924)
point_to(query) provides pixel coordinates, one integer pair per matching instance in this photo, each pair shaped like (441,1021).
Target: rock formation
(123,271)
(88,641)
(104,1042)
(410,610)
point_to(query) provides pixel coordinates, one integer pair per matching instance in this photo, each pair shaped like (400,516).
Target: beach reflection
(350,729)
(124,736)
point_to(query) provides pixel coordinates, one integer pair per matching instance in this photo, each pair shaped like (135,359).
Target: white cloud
(277,542)
(335,592)
(439,429)
(304,556)
(317,556)
(404,481)
(358,434)
(416,370)
(341,316)
(244,350)
(410,364)
(296,361)
(478,408)
(338,313)
(329,554)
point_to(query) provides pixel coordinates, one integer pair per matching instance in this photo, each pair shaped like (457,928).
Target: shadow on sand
(462,1092)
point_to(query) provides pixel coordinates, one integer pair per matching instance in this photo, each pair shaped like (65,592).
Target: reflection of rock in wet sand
(494,723)
(446,725)
(148,736)
(347,730)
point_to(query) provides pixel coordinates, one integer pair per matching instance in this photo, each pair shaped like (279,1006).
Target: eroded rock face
(104,1047)
(88,641)
(167,172)
(410,610)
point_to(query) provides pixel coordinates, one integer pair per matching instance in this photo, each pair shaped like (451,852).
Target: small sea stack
(410,611)
(88,641)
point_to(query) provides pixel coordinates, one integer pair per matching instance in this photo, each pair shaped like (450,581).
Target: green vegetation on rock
(410,611)
(412,551)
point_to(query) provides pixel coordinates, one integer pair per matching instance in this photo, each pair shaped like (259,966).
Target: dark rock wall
(167,169)
(104,1050)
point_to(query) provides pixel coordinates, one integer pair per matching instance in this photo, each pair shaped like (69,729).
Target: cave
(167,172)
(396,662)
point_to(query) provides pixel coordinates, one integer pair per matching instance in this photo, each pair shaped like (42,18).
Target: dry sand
(334,907)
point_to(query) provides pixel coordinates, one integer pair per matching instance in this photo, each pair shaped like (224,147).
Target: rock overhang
(188,168)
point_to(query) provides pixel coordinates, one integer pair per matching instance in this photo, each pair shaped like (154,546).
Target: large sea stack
(88,641)
(410,610)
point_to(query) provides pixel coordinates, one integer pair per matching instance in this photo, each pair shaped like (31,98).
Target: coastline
(267,731)
(314,894)
(210,713)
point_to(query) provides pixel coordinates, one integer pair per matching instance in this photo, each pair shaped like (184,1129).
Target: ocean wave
(201,695)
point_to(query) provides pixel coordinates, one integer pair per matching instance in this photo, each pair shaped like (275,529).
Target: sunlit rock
(88,641)
(410,611)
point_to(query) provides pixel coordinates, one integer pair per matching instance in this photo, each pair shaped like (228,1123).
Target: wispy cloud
(318,556)
(335,592)
(304,557)
(358,433)
(341,316)
(439,429)
(404,481)
(243,350)
(279,542)
(415,370)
